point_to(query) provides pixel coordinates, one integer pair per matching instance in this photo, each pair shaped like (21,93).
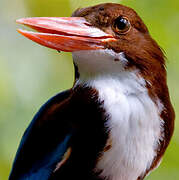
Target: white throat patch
(134,124)
(97,62)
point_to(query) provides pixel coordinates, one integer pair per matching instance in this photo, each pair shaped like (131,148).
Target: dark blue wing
(44,142)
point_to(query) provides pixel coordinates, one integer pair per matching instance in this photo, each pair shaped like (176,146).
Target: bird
(117,120)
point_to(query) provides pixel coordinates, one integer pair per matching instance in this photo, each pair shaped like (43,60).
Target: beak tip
(19,21)
(19,31)
(24,32)
(22,21)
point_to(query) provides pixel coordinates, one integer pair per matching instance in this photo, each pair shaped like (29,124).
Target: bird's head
(104,39)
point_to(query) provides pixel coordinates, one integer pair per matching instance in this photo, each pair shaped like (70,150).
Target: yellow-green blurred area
(30,74)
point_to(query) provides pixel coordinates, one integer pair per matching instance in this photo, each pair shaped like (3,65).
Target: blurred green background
(30,74)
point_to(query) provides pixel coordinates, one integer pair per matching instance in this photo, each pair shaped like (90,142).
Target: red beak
(65,34)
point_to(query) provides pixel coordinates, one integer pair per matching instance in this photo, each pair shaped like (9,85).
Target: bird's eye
(121,25)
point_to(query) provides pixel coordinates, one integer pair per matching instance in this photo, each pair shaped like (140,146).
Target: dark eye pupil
(121,23)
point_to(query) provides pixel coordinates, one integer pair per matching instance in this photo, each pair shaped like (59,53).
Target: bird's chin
(103,62)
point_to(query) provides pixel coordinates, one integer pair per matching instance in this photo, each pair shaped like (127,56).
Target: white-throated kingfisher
(117,120)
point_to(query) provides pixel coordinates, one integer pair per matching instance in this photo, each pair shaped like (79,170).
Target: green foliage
(31,74)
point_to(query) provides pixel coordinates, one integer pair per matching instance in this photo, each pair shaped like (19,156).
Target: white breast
(134,125)
(134,122)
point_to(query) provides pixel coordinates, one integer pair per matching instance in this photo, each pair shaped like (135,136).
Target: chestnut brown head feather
(103,15)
